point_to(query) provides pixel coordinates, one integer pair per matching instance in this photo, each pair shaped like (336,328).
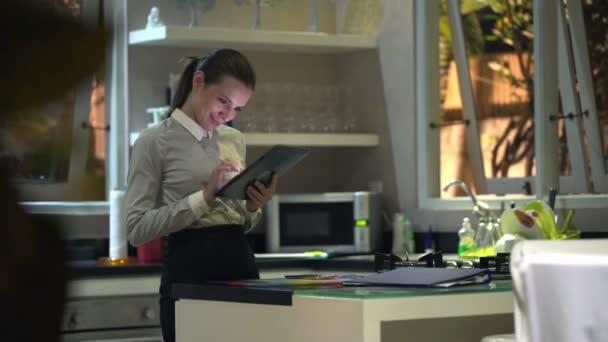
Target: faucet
(480,208)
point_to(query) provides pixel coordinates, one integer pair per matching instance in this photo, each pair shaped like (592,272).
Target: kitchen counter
(90,268)
(364,314)
(363,262)
(89,279)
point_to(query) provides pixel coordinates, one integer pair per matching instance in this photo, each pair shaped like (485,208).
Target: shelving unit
(291,62)
(273,41)
(305,139)
(75,208)
(278,41)
(311,139)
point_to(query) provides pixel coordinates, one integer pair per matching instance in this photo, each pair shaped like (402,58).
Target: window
(56,152)
(485,87)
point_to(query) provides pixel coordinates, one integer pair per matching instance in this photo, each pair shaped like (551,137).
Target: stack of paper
(425,277)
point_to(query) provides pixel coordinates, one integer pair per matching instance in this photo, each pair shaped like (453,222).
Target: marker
(310,276)
(429,246)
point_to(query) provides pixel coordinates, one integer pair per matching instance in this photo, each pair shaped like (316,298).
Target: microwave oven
(349,222)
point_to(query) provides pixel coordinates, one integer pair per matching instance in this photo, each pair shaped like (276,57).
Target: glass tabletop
(369,292)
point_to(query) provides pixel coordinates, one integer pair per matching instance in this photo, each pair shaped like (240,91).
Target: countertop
(89,279)
(283,296)
(90,268)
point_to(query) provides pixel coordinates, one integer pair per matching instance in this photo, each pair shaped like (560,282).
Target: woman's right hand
(214,183)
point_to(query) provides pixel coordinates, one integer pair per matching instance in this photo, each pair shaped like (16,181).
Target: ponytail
(216,65)
(184,87)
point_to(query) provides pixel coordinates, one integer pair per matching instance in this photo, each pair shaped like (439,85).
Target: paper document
(426,277)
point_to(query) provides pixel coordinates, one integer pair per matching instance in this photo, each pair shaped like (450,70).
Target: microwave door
(316,226)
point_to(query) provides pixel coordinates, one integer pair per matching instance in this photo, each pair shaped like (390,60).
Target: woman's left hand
(258,194)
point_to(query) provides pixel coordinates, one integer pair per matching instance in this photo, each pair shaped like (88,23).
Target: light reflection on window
(37,142)
(39,146)
(95,169)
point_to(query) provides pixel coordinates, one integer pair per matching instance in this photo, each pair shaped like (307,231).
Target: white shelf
(74,208)
(312,139)
(305,139)
(182,36)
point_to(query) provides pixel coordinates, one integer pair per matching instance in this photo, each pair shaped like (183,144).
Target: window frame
(53,198)
(428,109)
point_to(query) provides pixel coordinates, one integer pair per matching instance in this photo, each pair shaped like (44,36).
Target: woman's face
(212,105)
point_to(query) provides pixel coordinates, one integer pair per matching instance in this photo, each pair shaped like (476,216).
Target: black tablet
(277,161)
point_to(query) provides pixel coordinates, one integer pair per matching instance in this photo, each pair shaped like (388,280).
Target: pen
(552,194)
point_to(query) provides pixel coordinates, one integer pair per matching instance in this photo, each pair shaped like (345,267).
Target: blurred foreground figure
(44,53)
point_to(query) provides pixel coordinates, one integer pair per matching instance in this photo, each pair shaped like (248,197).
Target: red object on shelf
(151,251)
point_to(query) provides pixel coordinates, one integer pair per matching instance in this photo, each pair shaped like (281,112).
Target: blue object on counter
(552,195)
(429,244)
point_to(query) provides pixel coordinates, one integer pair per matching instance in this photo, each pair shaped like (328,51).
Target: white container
(118,224)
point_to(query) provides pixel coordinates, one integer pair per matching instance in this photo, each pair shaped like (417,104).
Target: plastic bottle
(497,230)
(403,236)
(410,243)
(490,237)
(399,238)
(466,236)
(480,237)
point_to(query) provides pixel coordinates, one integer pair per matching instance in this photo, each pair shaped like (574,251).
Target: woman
(176,169)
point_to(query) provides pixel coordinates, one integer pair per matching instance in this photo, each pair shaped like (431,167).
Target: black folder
(277,160)
(426,277)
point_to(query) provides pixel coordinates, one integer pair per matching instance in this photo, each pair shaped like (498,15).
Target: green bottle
(466,236)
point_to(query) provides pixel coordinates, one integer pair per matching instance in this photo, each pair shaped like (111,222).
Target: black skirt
(193,256)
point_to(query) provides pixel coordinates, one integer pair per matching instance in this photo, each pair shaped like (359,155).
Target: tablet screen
(277,161)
